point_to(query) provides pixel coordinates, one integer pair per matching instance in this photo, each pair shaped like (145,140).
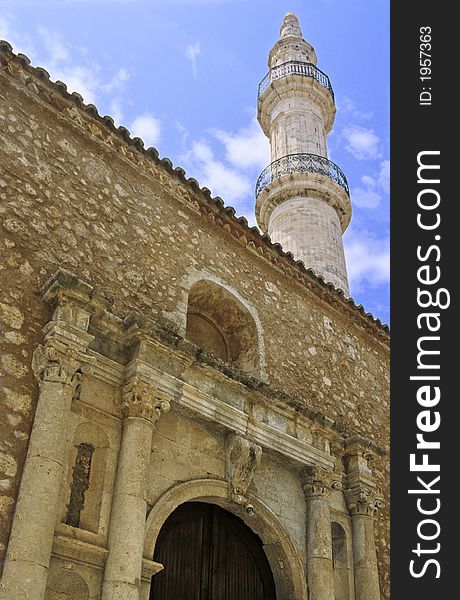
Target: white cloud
(117,82)
(20,42)
(116,111)
(368,260)
(384,176)
(346,105)
(59,58)
(78,78)
(6,31)
(247,148)
(191,53)
(221,179)
(363,143)
(58,51)
(146,127)
(366,196)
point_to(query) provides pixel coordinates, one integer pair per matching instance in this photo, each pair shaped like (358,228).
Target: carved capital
(144,401)
(242,459)
(363,500)
(316,481)
(337,481)
(51,363)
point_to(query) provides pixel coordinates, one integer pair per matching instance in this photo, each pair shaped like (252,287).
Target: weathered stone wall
(70,200)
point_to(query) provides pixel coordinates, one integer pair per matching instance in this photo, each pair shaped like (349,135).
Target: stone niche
(220,324)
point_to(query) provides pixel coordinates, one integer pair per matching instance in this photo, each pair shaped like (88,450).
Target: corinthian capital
(143,400)
(51,363)
(316,481)
(363,500)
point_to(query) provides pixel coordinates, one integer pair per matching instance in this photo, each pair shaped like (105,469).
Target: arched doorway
(210,554)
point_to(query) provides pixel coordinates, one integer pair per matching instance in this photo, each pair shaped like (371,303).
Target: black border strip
(416,128)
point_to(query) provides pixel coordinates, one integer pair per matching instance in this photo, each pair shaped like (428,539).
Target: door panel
(209,554)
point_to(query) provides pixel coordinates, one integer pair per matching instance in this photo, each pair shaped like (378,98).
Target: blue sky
(183,75)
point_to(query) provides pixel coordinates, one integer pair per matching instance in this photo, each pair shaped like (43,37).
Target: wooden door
(209,554)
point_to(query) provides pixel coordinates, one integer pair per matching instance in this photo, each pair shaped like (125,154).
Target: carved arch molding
(288,571)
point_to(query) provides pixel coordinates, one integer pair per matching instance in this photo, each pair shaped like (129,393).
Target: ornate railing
(301,163)
(295,67)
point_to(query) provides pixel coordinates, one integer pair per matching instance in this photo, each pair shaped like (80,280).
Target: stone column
(142,406)
(316,483)
(58,371)
(363,503)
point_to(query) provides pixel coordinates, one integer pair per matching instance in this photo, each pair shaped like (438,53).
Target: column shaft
(122,577)
(31,540)
(317,486)
(127,525)
(363,503)
(365,558)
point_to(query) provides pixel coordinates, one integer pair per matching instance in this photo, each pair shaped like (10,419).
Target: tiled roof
(37,80)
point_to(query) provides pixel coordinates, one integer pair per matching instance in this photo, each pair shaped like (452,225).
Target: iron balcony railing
(295,67)
(301,163)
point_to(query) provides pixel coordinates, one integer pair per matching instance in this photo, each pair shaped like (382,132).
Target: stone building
(189,411)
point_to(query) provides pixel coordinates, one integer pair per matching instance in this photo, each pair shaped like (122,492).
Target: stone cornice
(71,106)
(148,391)
(138,330)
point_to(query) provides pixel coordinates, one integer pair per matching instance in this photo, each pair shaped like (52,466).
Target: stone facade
(157,350)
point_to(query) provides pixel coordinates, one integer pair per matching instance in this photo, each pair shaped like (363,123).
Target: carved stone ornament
(69,312)
(336,482)
(243,458)
(53,364)
(316,481)
(143,400)
(363,500)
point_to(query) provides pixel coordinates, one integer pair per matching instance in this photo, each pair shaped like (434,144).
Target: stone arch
(286,566)
(87,436)
(215,310)
(63,584)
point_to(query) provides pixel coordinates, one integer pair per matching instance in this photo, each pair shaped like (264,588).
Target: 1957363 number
(425,65)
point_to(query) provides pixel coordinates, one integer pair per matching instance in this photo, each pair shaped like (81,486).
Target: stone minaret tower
(303,198)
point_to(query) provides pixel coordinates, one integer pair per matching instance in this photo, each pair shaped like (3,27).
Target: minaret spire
(302,198)
(290,26)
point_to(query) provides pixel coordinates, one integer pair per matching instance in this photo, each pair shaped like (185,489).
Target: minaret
(303,198)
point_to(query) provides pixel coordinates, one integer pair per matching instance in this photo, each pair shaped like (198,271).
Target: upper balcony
(294,67)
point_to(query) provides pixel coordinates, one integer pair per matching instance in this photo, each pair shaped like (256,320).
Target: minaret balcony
(294,67)
(302,175)
(301,163)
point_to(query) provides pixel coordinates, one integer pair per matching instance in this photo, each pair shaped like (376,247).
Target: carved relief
(363,500)
(336,481)
(143,400)
(243,458)
(56,365)
(71,313)
(316,481)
